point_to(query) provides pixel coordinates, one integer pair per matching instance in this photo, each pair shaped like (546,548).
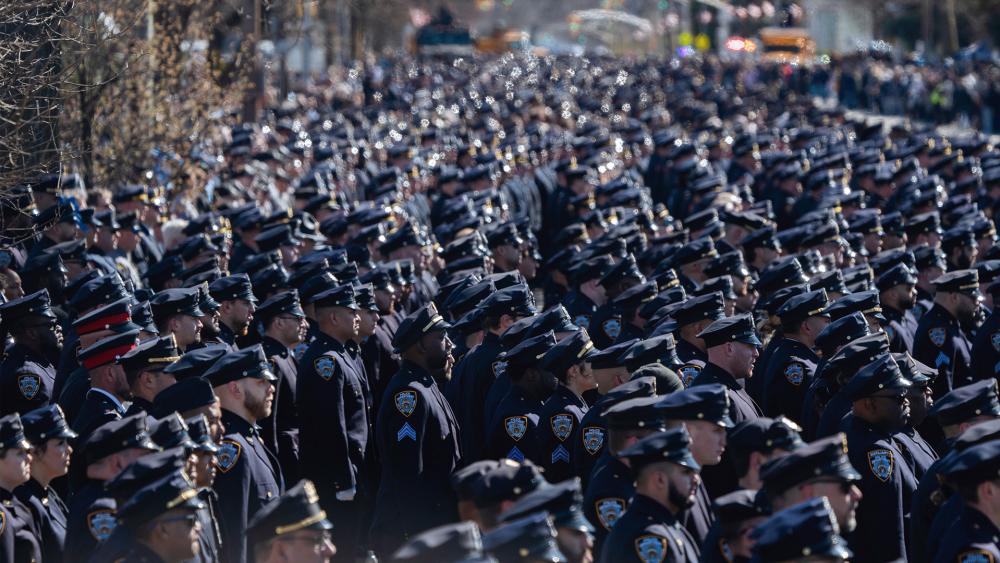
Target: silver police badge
(29,384)
(593,439)
(228,455)
(651,549)
(325,367)
(612,327)
(516,426)
(880,462)
(406,401)
(609,510)
(937,336)
(794,373)
(101,523)
(562,425)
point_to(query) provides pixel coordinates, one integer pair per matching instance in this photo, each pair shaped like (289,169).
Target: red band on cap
(104,322)
(107,356)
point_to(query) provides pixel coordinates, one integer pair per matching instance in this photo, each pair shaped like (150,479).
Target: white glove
(347,495)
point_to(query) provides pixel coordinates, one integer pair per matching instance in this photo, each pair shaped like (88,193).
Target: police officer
(586,293)
(792,366)
(284,326)
(898,295)
(210,537)
(292,528)
(501,484)
(691,318)
(144,367)
(738,513)
(27,374)
(248,474)
(920,453)
(973,536)
(163,517)
(176,312)
(562,414)
(460,542)
(837,372)
(47,431)
(92,512)
(666,477)
(564,502)
(513,430)
(476,373)
(237,305)
(804,532)
(880,409)
(418,437)
(614,385)
(109,388)
(611,483)
(733,347)
(605,326)
(752,443)
(704,410)
(941,341)
(628,304)
(332,399)
(531,539)
(985,353)
(15,470)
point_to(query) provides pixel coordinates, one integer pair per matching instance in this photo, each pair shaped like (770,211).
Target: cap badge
(794,373)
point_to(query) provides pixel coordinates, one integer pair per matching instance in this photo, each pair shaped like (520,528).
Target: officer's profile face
(708,441)
(609,378)
(213,414)
(51,459)
(744,357)
(843,496)
(891,408)
(175,533)
(307,546)
(15,467)
(436,348)
(576,545)
(186,329)
(204,469)
(258,396)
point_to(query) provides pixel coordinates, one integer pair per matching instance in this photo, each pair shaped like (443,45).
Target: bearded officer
(248,474)
(27,375)
(418,437)
(941,341)
(880,409)
(666,480)
(237,305)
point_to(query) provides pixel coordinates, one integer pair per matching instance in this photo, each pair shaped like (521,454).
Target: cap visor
(752,340)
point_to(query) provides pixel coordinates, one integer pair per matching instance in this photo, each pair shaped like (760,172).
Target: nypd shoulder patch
(562,426)
(499,367)
(325,367)
(612,327)
(228,454)
(516,426)
(582,321)
(795,373)
(29,384)
(406,402)
(101,523)
(976,556)
(609,510)
(880,462)
(937,336)
(593,439)
(651,549)
(688,373)
(995,341)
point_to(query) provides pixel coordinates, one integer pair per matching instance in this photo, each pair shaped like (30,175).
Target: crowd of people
(517,309)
